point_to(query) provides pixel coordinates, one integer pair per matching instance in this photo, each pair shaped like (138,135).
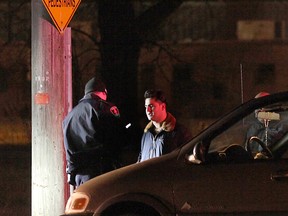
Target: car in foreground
(216,173)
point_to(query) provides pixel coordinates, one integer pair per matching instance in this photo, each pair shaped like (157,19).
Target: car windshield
(265,127)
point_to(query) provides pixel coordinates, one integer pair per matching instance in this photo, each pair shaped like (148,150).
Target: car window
(266,126)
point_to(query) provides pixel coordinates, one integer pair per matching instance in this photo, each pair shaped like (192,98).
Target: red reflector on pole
(41,98)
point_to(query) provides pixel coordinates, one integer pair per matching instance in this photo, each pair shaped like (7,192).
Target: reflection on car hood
(135,178)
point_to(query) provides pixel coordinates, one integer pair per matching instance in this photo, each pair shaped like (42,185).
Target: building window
(3,80)
(183,83)
(146,77)
(265,74)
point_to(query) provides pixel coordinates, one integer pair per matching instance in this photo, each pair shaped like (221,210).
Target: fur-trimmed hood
(167,125)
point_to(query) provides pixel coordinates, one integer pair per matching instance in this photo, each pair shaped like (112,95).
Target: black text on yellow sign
(61,11)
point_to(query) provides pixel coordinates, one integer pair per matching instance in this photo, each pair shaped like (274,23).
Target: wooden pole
(51,100)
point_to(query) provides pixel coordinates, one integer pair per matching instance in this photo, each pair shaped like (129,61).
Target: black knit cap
(94,85)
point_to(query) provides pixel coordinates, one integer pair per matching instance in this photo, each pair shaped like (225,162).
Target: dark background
(194,56)
(15,172)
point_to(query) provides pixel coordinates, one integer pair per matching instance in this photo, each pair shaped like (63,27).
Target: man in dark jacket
(92,135)
(163,133)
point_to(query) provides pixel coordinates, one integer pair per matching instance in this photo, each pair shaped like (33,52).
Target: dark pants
(87,174)
(81,178)
(90,172)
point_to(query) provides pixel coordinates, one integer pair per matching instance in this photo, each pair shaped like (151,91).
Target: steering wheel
(266,151)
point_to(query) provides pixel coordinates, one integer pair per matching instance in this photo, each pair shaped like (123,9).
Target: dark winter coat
(93,136)
(268,136)
(171,136)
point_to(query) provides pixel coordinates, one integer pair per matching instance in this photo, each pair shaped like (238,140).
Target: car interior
(234,145)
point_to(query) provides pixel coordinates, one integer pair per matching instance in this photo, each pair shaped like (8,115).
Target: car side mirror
(198,155)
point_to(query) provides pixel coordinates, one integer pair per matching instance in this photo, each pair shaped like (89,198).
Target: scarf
(167,125)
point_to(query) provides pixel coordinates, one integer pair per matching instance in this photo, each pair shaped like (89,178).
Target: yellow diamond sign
(61,11)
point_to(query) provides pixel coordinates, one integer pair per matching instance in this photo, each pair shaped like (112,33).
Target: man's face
(102,95)
(155,109)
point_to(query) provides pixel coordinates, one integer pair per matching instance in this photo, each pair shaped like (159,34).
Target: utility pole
(51,86)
